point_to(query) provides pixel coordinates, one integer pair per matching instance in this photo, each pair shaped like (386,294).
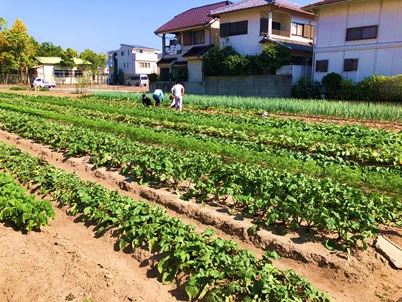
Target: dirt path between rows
(66,262)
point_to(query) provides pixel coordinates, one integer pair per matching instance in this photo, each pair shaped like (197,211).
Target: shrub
(306,89)
(83,84)
(226,61)
(273,57)
(347,90)
(332,83)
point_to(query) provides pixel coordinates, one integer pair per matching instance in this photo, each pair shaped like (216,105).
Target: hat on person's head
(143,95)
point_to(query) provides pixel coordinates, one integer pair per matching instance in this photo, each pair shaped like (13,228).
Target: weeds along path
(365,277)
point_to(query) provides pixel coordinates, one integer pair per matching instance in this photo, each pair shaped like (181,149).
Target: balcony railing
(173,50)
(283,33)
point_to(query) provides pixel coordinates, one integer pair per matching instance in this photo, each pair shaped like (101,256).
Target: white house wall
(49,75)
(244,44)
(382,56)
(129,61)
(249,44)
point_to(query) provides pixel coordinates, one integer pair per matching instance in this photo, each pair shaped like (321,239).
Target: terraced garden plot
(237,163)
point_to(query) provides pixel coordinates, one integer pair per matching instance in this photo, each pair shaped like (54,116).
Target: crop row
(338,109)
(271,195)
(360,144)
(382,178)
(216,269)
(22,209)
(242,123)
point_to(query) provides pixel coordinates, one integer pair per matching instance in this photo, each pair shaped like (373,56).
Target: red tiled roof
(248,4)
(197,16)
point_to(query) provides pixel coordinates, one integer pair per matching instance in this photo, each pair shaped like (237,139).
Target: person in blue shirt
(158,97)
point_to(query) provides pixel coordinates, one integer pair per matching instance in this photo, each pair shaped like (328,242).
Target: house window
(78,73)
(233,28)
(144,65)
(303,30)
(361,33)
(138,50)
(350,64)
(263,26)
(297,29)
(321,65)
(194,37)
(308,31)
(122,53)
(59,73)
(276,25)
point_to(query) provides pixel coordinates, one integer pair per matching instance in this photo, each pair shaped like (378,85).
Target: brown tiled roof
(197,51)
(247,4)
(300,46)
(321,3)
(165,61)
(197,16)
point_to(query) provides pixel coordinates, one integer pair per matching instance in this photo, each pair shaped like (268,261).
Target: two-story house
(132,59)
(357,38)
(186,38)
(248,25)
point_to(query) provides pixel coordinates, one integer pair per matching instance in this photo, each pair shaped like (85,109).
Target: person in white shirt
(178,92)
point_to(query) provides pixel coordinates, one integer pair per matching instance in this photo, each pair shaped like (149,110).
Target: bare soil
(66,261)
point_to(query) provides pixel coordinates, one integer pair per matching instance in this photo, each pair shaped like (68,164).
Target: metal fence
(18,79)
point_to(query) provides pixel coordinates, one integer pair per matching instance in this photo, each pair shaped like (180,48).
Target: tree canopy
(18,51)
(97,60)
(17,48)
(48,49)
(226,61)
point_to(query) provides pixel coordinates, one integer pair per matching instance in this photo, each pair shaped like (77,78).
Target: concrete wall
(194,67)
(296,71)
(265,86)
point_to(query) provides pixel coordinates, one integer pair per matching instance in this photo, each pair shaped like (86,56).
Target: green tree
(98,61)
(17,49)
(47,49)
(3,24)
(120,77)
(272,57)
(67,59)
(5,66)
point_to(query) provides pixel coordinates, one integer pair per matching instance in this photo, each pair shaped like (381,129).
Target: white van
(137,80)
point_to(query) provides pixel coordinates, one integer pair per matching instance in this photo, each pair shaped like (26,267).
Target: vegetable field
(339,185)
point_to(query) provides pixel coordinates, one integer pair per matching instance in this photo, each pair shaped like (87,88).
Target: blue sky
(99,25)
